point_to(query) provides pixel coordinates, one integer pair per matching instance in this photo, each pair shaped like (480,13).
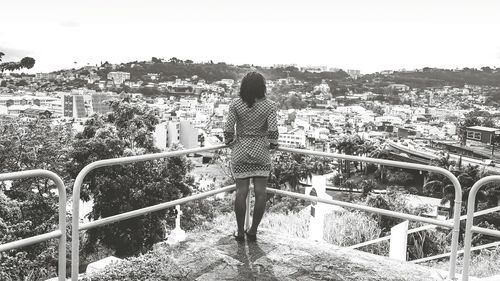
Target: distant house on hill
(399,87)
(181,90)
(482,134)
(36,113)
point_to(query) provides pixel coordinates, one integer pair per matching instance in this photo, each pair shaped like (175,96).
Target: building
(180,132)
(294,138)
(45,76)
(399,87)
(485,135)
(354,73)
(74,106)
(42,101)
(99,105)
(118,77)
(36,113)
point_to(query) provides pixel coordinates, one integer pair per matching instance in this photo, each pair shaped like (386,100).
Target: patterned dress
(256,132)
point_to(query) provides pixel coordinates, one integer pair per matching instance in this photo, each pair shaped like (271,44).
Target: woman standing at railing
(256,134)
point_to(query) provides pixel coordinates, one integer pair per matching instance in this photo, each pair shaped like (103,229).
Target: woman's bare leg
(240,203)
(260,184)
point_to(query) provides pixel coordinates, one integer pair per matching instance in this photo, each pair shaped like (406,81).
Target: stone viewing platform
(215,255)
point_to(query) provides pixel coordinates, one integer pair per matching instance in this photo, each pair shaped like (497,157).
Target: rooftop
(486,129)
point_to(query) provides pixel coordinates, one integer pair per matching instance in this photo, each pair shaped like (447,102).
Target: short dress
(256,132)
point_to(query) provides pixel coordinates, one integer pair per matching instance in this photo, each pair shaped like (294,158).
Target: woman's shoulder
(272,104)
(236,102)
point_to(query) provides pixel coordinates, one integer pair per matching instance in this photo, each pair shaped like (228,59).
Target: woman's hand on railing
(273,147)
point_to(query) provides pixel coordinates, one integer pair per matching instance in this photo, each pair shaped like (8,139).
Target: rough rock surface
(215,255)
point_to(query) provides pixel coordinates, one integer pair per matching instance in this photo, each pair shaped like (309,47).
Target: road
(434,154)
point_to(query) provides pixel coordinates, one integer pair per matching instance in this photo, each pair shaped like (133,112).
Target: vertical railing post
(61,272)
(470,221)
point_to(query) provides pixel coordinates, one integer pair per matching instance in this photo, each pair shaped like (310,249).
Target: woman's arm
(230,124)
(272,127)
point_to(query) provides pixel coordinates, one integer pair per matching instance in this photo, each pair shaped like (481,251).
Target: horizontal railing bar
(147,157)
(361,207)
(486,231)
(424,227)
(158,207)
(494,244)
(31,240)
(368,160)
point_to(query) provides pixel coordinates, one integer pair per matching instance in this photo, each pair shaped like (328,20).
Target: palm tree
(364,148)
(381,153)
(348,145)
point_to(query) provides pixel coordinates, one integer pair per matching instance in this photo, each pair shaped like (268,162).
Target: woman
(255,135)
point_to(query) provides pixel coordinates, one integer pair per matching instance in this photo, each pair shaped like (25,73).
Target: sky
(367,35)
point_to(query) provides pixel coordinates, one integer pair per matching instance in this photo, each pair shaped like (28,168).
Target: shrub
(155,265)
(286,204)
(371,168)
(336,180)
(351,228)
(367,186)
(399,177)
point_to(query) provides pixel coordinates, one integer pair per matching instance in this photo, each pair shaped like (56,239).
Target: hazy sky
(368,35)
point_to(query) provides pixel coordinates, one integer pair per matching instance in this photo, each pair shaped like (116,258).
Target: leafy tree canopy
(26,62)
(117,189)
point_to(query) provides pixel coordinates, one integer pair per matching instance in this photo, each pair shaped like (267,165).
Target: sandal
(239,238)
(251,237)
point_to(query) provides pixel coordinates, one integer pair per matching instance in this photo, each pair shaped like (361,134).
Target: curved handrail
(75,232)
(59,233)
(429,168)
(471,202)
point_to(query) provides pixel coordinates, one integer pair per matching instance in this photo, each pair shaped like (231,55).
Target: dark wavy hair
(253,86)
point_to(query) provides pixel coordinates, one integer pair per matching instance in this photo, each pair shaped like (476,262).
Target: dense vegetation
(29,206)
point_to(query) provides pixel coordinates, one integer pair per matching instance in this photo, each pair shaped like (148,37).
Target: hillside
(444,77)
(212,72)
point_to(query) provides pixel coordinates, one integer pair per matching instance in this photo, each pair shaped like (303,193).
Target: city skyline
(349,35)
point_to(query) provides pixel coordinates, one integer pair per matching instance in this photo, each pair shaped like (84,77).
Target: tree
(381,153)
(117,189)
(29,207)
(348,145)
(26,62)
(36,144)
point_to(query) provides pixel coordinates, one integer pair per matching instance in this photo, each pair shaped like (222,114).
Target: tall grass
(350,228)
(341,228)
(483,263)
(291,224)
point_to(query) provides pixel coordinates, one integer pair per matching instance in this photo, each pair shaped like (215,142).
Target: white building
(293,138)
(176,132)
(118,77)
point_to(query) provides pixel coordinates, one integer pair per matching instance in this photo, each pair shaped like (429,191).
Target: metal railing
(422,228)
(455,226)
(59,233)
(76,227)
(469,228)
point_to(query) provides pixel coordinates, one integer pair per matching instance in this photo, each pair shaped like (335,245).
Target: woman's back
(253,121)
